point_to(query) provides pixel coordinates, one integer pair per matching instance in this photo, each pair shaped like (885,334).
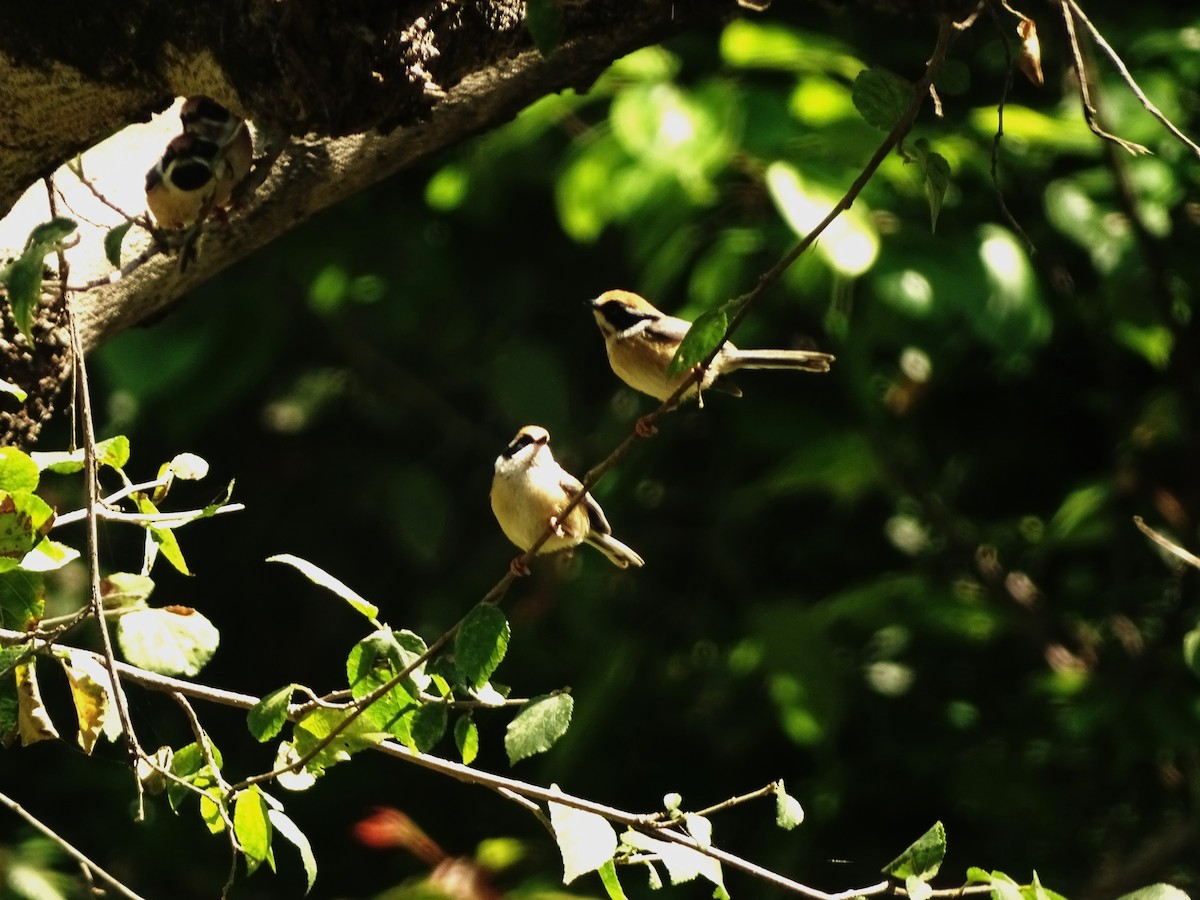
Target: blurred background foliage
(911,588)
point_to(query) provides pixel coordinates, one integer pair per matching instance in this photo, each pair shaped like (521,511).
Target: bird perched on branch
(530,490)
(206,118)
(190,180)
(641,341)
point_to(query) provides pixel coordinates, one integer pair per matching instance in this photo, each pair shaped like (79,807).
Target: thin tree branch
(1085,95)
(84,406)
(1008,80)
(1125,75)
(88,866)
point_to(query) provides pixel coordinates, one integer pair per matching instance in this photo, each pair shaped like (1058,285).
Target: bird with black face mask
(641,341)
(529,492)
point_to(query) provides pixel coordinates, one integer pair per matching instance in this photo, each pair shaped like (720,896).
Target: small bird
(191,179)
(530,489)
(206,118)
(641,341)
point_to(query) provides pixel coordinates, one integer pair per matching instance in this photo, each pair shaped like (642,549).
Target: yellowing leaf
(33,722)
(91,692)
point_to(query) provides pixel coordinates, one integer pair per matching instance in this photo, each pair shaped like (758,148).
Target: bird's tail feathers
(618,554)
(805,360)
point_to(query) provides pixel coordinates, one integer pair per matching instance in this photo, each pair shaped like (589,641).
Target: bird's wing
(573,486)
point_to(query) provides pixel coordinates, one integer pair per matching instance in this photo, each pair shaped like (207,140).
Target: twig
(84,407)
(1126,76)
(1008,80)
(769,790)
(76,169)
(69,848)
(205,745)
(1166,544)
(1085,96)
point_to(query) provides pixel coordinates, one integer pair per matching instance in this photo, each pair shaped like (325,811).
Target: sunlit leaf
(112,452)
(612,885)
(186,466)
(788,811)
(18,472)
(466,738)
(587,841)
(319,576)
(47,556)
(24,520)
(682,863)
(267,717)
(312,734)
(923,857)
(537,727)
(171,640)
(481,642)
(252,828)
(7,387)
(288,830)
(1158,891)
(125,590)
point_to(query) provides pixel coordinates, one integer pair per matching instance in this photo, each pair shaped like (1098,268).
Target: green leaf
(163,538)
(288,830)
(788,811)
(267,717)
(923,858)
(112,243)
(1191,650)
(608,876)
(7,387)
(544,21)
(33,719)
(1158,891)
(112,452)
(481,643)
(173,640)
(50,234)
(587,841)
(538,726)
(427,727)
(24,520)
(466,738)
(47,556)
(125,590)
(22,600)
(880,97)
(185,466)
(936,172)
(312,731)
(24,277)
(189,764)
(701,339)
(18,472)
(319,576)
(252,828)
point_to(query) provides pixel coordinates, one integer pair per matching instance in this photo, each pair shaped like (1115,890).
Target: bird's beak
(592,302)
